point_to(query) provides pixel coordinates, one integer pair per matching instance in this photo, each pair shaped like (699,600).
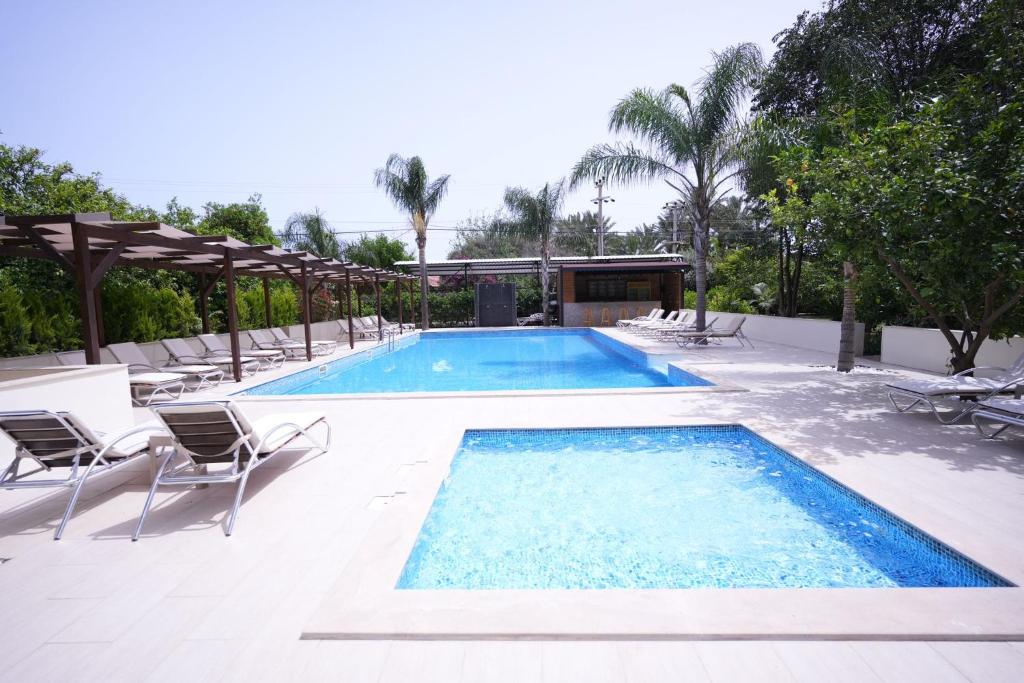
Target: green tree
(246,221)
(478,237)
(692,143)
(534,216)
(378,251)
(406,183)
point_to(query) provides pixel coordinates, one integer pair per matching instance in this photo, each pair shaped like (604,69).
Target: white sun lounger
(262,340)
(169,385)
(655,312)
(217,353)
(731,330)
(1003,413)
(204,374)
(218,433)
(61,440)
(325,347)
(965,385)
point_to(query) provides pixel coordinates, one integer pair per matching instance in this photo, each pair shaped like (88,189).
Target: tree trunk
(700,267)
(421,242)
(846,330)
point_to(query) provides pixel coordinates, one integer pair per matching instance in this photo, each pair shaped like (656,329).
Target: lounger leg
(74,499)
(238,499)
(987,435)
(152,494)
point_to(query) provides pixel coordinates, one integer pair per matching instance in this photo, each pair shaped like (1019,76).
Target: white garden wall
(923,348)
(804,333)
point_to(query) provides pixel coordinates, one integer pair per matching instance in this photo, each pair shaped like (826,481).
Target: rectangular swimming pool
(662,507)
(486,361)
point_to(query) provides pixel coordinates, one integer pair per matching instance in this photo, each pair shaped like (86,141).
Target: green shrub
(721,299)
(15,324)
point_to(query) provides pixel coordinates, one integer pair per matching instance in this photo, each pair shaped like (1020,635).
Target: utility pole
(676,208)
(600,200)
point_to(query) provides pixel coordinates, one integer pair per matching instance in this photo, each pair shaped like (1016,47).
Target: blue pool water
(486,361)
(666,507)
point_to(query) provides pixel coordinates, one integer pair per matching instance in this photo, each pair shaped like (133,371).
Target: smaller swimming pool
(662,507)
(487,361)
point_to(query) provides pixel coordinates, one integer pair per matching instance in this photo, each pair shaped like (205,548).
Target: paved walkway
(186,603)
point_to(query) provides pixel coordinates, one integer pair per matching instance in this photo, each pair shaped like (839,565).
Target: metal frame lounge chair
(965,385)
(327,347)
(219,433)
(678,321)
(170,385)
(731,330)
(216,352)
(1006,412)
(180,352)
(655,312)
(661,319)
(363,331)
(202,373)
(261,340)
(60,439)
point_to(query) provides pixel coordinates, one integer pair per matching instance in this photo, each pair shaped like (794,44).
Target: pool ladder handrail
(390,334)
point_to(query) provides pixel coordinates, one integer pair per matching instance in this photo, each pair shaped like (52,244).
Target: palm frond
(725,85)
(622,163)
(654,118)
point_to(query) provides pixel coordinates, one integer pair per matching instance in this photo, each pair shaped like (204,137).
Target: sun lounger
(403,326)
(61,440)
(966,386)
(655,312)
(217,353)
(325,347)
(203,374)
(660,320)
(676,322)
(263,341)
(181,352)
(218,433)
(1002,412)
(169,385)
(731,330)
(364,331)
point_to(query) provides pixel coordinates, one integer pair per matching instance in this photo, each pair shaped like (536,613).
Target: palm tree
(693,144)
(406,182)
(310,232)
(535,217)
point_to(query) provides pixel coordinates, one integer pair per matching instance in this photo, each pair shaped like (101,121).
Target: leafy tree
(406,183)
(379,251)
(534,216)
(311,232)
(693,143)
(246,221)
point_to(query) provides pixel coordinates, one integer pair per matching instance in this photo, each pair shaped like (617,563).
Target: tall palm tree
(534,217)
(692,143)
(406,182)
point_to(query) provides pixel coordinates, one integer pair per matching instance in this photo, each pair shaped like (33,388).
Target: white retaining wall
(327,330)
(924,348)
(804,333)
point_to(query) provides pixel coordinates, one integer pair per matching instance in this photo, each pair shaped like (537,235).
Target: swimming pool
(486,361)
(662,507)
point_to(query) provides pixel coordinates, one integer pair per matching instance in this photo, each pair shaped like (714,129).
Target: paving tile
(902,662)
(578,661)
(424,662)
(502,662)
(736,662)
(984,662)
(810,662)
(653,662)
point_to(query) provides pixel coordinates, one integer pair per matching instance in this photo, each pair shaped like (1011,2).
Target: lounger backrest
(213,343)
(209,431)
(71,358)
(279,334)
(1017,369)
(128,352)
(684,316)
(653,314)
(178,348)
(733,326)
(50,437)
(260,337)
(369,321)
(671,316)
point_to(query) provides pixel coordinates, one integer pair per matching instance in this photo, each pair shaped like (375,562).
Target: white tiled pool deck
(187,603)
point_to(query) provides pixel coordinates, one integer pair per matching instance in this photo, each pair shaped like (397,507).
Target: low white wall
(923,348)
(326,330)
(98,394)
(804,333)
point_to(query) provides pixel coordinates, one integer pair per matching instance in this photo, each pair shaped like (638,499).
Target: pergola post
(86,300)
(359,303)
(101,331)
(229,282)
(376,287)
(348,297)
(412,304)
(268,312)
(204,304)
(306,313)
(398,293)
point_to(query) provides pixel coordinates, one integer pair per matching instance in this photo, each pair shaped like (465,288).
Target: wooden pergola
(87,245)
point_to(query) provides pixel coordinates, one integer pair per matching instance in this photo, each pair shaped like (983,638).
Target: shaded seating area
(87,245)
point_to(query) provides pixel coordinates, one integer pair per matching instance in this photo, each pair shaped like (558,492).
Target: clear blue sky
(301,101)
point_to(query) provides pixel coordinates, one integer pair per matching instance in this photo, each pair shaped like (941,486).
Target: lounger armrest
(157,429)
(137,367)
(199,360)
(971,371)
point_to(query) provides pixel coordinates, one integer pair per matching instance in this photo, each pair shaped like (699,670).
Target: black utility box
(496,305)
